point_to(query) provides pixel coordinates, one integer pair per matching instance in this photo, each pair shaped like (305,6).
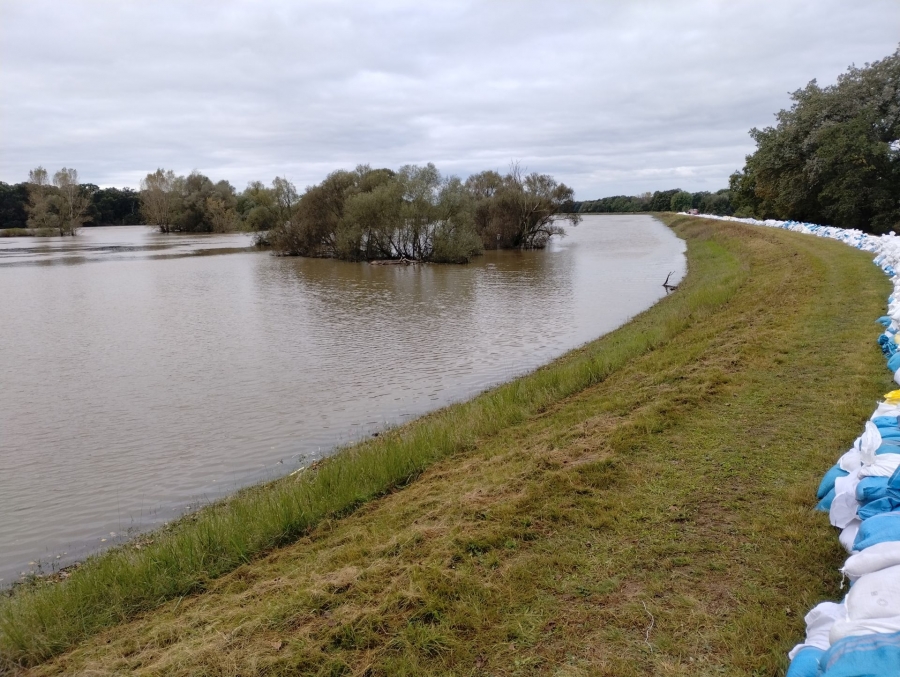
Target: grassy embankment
(641,506)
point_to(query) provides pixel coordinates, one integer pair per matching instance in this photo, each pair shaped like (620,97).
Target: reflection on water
(141,380)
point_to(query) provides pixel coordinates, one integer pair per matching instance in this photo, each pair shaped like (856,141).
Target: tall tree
(72,201)
(833,157)
(160,199)
(41,210)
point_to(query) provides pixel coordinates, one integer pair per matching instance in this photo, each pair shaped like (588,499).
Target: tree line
(53,203)
(413,213)
(833,157)
(675,200)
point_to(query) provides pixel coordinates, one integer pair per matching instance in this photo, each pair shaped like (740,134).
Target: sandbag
(871,489)
(818,625)
(827,483)
(843,629)
(878,529)
(851,461)
(825,504)
(874,558)
(872,655)
(847,537)
(867,443)
(877,507)
(884,465)
(888,446)
(887,421)
(806,662)
(875,595)
(844,505)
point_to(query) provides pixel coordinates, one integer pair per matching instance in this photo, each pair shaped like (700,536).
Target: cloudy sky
(608,96)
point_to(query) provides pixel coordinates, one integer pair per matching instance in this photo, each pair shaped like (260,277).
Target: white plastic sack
(850,461)
(875,595)
(865,626)
(883,466)
(818,625)
(848,535)
(874,558)
(885,409)
(844,506)
(867,443)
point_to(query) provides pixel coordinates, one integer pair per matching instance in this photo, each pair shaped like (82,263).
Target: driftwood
(669,287)
(402,261)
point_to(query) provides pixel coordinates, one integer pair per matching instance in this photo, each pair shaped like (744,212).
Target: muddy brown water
(139,380)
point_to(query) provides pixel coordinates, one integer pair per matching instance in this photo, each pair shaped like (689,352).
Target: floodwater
(139,379)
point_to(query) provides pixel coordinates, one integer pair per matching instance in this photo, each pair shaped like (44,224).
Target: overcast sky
(608,96)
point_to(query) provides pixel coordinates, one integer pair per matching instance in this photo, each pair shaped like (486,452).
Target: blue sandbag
(827,483)
(877,507)
(876,655)
(806,662)
(894,363)
(884,321)
(886,421)
(892,433)
(878,529)
(825,504)
(889,446)
(871,489)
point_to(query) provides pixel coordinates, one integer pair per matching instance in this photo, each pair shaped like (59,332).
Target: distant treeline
(675,200)
(834,156)
(107,207)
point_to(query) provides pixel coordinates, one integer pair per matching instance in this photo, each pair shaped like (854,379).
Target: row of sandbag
(860,636)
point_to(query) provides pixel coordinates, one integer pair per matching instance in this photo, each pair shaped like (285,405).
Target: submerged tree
(368,214)
(40,209)
(519,210)
(72,201)
(160,199)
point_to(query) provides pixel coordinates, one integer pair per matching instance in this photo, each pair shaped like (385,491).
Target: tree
(681,201)
(41,214)
(833,157)
(13,202)
(72,201)
(160,199)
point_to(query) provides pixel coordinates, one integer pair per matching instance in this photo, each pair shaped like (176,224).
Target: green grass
(665,471)
(17,232)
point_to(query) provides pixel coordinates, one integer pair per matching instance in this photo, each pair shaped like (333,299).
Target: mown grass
(641,506)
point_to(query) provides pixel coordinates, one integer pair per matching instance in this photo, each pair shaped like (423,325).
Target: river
(140,378)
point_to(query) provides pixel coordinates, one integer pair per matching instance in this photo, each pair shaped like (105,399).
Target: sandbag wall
(860,636)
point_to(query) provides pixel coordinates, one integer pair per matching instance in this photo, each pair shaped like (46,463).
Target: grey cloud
(610,97)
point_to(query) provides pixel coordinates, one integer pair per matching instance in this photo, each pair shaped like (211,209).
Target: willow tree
(160,199)
(41,214)
(72,201)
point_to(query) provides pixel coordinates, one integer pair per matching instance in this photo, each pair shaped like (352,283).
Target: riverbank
(639,506)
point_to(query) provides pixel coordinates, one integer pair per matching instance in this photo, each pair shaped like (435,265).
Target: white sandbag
(867,443)
(848,535)
(875,595)
(864,626)
(885,409)
(897,377)
(818,625)
(874,558)
(883,466)
(850,461)
(844,506)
